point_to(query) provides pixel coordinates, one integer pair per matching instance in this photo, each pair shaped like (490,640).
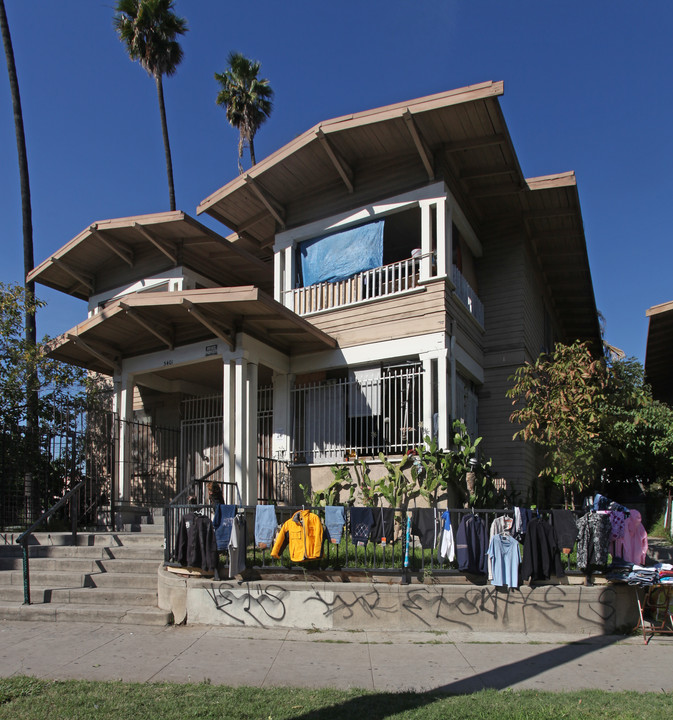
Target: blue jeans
(335,518)
(265,525)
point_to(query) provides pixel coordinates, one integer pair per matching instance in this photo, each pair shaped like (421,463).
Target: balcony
(384,281)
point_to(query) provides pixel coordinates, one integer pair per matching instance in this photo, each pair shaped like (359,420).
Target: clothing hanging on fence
(425,525)
(222,522)
(447,546)
(632,547)
(304,530)
(541,555)
(383,530)
(565,527)
(195,543)
(335,519)
(266,525)
(504,558)
(362,520)
(522,517)
(593,540)
(237,545)
(472,544)
(503,524)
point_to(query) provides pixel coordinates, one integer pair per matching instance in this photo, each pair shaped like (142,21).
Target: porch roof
(459,136)
(658,369)
(138,324)
(109,253)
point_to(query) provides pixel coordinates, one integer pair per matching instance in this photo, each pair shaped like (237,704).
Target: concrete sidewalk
(380,661)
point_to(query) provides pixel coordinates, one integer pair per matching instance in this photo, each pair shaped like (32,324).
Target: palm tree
(32,418)
(247,99)
(149,29)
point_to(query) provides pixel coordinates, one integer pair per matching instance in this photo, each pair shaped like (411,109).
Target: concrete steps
(105,577)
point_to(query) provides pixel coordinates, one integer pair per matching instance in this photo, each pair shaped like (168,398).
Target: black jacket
(541,556)
(195,544)
(472,544)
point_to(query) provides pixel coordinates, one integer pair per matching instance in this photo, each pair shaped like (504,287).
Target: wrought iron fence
(366,413)
(346,555)
(37,468)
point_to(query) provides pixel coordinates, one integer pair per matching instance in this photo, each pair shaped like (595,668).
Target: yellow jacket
(304,529)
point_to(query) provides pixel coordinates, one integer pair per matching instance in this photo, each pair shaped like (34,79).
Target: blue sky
(587,88)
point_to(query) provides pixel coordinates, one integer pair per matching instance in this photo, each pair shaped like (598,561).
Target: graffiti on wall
(435,607)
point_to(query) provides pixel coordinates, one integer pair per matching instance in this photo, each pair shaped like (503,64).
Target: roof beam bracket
(77,340)
(161,332)
(225,336)
(269,202)
(421,145)
(342,167)
(116,247)
(170,252)
(81,277)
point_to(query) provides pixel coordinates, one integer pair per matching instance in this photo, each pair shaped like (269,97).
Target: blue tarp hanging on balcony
(340,255)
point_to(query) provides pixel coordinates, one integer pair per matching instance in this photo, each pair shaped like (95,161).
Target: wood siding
(417,313)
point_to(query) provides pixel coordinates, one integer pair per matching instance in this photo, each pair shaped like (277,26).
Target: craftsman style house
(387,272)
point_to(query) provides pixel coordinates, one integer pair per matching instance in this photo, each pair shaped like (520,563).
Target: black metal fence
(345,555)
(38,467)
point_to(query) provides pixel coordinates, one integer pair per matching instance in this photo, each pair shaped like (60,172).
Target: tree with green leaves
(149,30)
(247,99)
(559,401)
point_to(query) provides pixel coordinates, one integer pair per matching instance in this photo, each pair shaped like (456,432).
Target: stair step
(119,597)
(54,612)
(42,578)
(143,581)
(92,552)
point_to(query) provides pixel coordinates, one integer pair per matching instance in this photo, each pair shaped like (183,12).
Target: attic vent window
(341,255)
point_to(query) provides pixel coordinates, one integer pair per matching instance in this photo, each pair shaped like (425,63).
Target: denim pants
(222,522)
(335,518)
(265,525)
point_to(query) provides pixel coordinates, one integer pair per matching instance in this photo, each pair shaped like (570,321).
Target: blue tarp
(341,255)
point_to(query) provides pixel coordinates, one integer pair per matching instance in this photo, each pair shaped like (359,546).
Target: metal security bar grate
(371,411)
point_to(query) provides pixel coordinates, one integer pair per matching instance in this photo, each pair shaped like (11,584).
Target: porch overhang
(146,323)
(109,253)
(460,137)
(658,369)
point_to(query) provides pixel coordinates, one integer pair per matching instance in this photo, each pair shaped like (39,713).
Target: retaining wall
(567,608)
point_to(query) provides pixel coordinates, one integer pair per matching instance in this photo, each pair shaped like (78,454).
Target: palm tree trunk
(252,152)
(32,421)
(167,146)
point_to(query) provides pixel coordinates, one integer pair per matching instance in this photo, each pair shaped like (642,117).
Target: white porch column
(251,445)
(278,275)
(427,396)
(443,399)
(282,385)
(444,238)
(123,406)
(228,422)
(241,428)
(289,273)
(453,379)
(426,240)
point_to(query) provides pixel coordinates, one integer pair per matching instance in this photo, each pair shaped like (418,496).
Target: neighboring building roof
(460,136)
(138,324)
(658,366)
(109,252)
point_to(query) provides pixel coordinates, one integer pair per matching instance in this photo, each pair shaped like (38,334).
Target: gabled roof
(138,324)
(459,136)
(658,366)
(110,252)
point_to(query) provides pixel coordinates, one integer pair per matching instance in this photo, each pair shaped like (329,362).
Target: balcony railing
(467,295)
(378,282)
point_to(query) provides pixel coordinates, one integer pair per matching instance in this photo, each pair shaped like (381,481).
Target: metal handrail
(25,535)
(185,491)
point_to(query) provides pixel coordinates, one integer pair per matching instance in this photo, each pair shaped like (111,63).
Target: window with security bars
(357,412)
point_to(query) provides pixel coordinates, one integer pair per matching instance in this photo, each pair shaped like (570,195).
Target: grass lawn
(24,697)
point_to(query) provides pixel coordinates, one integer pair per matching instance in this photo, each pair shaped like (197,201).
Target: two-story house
(387,273)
